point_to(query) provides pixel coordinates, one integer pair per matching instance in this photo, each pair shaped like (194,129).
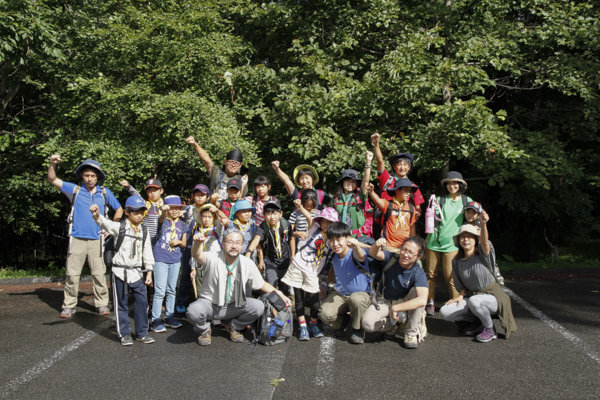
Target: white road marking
(47,363)
(325,363)
(554,325)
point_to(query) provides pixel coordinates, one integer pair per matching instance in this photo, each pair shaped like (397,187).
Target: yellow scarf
(242,228)
(173,232)
(149,204)
(204,231)
(277,238)
(136,248)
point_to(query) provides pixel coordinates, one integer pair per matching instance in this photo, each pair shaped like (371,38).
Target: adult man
(223,294)
(85,240)
(404,288)
(219,177)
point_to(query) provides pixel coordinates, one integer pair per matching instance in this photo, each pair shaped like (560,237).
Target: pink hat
(329,214)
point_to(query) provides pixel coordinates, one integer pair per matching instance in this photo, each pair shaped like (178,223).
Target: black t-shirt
(271,253)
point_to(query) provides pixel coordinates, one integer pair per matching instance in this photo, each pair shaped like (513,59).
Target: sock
(430,301)
(303,324)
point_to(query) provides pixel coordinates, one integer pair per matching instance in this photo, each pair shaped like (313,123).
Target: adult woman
(472,275)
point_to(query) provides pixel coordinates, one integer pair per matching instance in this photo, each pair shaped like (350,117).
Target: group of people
(353,258)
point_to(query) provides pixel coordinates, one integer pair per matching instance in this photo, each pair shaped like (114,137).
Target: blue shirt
(163,242)
(348,278)
(399,281)
(84,226)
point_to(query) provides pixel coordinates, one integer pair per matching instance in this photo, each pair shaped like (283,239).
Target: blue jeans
(165,285)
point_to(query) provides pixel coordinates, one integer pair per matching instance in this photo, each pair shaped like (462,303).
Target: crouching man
(405,292)
(223,294)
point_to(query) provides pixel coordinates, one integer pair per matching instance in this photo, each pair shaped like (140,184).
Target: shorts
(299,279)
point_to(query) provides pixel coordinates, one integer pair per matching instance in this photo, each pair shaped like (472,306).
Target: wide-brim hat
(135,203)
(329,214)
(90,164)
(393,159)
(197,213)
(242,205)
(174,202)
(305,166)
(351,174)
(468,228)
(454,176)
(400,183)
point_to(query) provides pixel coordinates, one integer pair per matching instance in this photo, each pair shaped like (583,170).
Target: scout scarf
(173,235)
(275,229)
(136,246)
(400,219)
(346,201)
(149,204)
(241,228)
(228,288)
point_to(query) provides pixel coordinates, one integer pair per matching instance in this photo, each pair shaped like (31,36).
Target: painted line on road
(325,362)
(554,325)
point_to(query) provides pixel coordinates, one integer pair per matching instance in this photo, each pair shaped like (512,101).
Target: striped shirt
(299,220)
(259,216)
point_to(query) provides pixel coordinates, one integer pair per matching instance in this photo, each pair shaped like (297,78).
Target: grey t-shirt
(221,185)
(472,274)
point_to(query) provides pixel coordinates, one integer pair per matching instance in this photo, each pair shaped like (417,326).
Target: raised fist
(190,140)
(124,183)
(55,159)
(275,165)
(375,138)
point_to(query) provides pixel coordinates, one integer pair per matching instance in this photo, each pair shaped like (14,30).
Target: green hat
(305,166)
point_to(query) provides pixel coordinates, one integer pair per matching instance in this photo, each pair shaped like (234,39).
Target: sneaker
(145,339)
(158,327)
(67,312)
(103,310)
(410,342)
(391,334)
(358,336)
(303,333)
(235,336)
(180,309)
(126,340)
(172,323)
(487,335)
(205,339)
(430,309)
(314,329)
(473,328)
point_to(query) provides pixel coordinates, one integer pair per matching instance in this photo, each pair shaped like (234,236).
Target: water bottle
(401,317)
(429,220)
(276,328)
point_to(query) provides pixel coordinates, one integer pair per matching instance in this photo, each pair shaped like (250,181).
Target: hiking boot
(235,336)
(487,335)
(314,329)
(358,336)
(172,323)
(410,342)
(340,332)
(103,310)
(145,339)
(303,333)
(473,328)
(158,327)
(126,340)
(430,309)
(389,335)
(180,309)
(67,312)
(205,339)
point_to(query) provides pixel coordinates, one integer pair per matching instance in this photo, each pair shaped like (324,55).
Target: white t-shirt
(312,251)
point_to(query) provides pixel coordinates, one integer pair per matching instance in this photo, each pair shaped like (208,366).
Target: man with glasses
(223,295)
(405,292)
(219,177)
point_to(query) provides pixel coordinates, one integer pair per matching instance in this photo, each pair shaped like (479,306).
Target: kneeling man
(223,294)
(405,290)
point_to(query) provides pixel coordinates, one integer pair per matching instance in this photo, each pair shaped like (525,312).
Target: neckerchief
(275,228)
(400,218)
(136,246)
(228,288)
(346,201)
(173,232)
(243,228)
(204,232)
(157,204)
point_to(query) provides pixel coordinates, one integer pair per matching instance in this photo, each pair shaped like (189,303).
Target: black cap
(272,204)
(234,155)
(235,183)
(153,183)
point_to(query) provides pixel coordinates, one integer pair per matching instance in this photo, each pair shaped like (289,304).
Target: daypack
(276,325)
(214,188)
(388,213)
(283,233)
(112,248)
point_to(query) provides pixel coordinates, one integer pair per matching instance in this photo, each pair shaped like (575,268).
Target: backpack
(274,326)
(112,248)
(283,233)
(388,214)
(214,188)
(320,198)
(226,207)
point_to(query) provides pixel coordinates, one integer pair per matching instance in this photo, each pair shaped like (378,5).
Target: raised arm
(130,189)
(163,213)
(357,250)
(367,177)
(377,249)
(52,179)
(289,185)
(485,236)
(201,153)
(378,154)
(378,201)
(197,252)
(304,211)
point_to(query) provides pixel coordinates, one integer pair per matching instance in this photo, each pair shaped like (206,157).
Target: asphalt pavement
(555,354)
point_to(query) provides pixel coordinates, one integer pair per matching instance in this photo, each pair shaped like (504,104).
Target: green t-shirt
(355,211)
(453,213)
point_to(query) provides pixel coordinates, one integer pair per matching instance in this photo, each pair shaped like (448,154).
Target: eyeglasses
(407,252)
(234,242)
(233,163)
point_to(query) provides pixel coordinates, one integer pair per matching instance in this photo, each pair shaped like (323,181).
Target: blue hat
(242,205)
(202,188)
(174,202)
(90,164)
(135,203)
(402,182)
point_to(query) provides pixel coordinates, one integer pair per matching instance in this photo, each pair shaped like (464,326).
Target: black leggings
(313,303)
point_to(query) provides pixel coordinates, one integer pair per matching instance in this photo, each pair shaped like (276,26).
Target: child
(308,199)
(274,235)
(398,216)
(303,273)
(154,191)
(306,177)
(402,164)
(440,243)
(234,187)
(353,283)
(262,186)
(171,238)
(243,221)
(127,271)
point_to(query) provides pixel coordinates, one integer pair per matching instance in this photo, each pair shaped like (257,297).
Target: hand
(175,242)
(124,183)
(95,211)
(369,157)
(353,243)
(370,188)
(199,238)
(190,140)
(148,281)
(298,204)
(225,221)
(54,159)
(275,165)
(288,302)
(213,209)
(165,207)
(214,197)
(261,267)
(458,299)
(245,180)
(193,274)
(484,217)
(394,314)
(375,138)
(381,243)
(105,233)
(301,235)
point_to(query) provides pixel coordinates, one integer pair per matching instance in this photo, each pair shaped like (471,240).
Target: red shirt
(385,178)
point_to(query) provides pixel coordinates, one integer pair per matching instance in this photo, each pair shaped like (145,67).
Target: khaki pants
(432,267)
(379,320)
(80,249)
(336,306)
